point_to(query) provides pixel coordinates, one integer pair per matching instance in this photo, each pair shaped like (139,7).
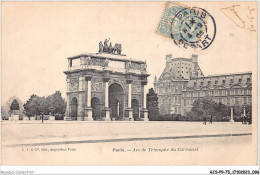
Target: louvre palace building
(182,82)
(106,86)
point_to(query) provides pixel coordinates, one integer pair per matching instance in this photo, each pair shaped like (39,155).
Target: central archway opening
(74,109)
(136,110)
(96,108)
(116,101)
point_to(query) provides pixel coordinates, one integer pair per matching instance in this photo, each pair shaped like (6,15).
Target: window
(240,80)
(195,83)
(245,100)
(201,83)
(216,82)
(249,100)
(179,99)
(236,100)
(248,80)
(231,81)
(209,82)
(223,81)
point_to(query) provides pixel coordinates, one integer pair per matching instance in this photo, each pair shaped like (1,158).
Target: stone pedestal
(107,114)
(80,118)
(15,117)
(129,113)
(88,114)
(231,114)
(145,111)
(51,118)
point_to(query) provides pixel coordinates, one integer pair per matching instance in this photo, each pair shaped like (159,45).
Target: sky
(38,37)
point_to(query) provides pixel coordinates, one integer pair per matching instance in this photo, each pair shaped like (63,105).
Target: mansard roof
(223,75)
(167,74)
(221,81)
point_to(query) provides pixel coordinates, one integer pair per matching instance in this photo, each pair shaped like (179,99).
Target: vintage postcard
(129,83)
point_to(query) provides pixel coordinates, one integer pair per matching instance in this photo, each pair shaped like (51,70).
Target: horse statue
(117,49)
(110,48)
(105,49)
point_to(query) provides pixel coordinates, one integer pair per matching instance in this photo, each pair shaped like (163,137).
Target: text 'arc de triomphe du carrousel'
(106,86)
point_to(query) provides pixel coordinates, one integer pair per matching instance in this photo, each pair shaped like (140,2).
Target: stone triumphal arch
(106,86)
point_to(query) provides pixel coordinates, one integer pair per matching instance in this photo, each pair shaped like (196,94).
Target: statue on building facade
(128,65)
(100,50)
(88,61)
(106,63)
(144,66)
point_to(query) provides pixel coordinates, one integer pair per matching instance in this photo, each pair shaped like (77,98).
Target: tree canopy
(152,104)
(14,105)
(53,104)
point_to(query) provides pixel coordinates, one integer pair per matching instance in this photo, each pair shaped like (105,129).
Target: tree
(4,113)
(53,104)
(204,107)
(57,104)
(14,106)
(32,106)
(152,104)
(221,111)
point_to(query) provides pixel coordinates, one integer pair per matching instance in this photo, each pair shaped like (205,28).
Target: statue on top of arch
(117,49)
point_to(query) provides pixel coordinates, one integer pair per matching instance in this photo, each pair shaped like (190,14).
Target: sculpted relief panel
(136,87)
(96,84)
(74,84)
(91,61)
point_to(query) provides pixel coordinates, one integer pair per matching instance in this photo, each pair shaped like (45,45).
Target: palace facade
(106,86)
(182,82)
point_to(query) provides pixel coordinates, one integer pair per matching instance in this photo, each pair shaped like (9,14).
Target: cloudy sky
(37,38)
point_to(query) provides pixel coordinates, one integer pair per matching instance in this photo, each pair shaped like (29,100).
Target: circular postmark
(193,28)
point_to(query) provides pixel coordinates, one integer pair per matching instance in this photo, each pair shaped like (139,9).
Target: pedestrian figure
(245,120)
(250,120)
(205,120)
(211,119)
(42,118)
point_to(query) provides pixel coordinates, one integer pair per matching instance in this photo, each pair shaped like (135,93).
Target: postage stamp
(189,27)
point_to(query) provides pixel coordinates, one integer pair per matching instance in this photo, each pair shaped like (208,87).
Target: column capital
(129,81)
(88,78)
(106,79)
(144,82)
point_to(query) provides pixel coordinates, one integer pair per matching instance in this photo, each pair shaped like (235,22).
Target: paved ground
(126,143)
(60,131)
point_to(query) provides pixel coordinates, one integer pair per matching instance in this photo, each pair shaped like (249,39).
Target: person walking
(205,120)
(211,119)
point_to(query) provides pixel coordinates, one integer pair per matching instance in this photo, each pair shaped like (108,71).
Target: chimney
(194,58)
(168,60)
